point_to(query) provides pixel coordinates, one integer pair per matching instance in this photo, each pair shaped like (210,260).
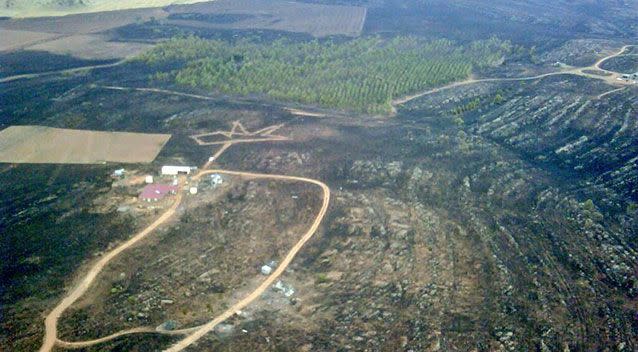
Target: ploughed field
(79,38)
(276,15)
(39,8)
(39,144)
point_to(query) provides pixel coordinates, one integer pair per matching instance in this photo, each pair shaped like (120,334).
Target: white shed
(176,170)
(216,180)
(266,270)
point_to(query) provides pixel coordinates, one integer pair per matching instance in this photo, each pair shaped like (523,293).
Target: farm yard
(189,270)
(37,144)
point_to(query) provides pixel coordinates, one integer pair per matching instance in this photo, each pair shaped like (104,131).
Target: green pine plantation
(362,75)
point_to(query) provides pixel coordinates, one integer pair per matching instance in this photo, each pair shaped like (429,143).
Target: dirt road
(60,72)
(163,91)
(140,330)
(204,329)
(51,321)
(619,53)
(194,333)
(612,78)
(198,331)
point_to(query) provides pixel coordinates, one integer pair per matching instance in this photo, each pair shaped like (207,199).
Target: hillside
(36,8)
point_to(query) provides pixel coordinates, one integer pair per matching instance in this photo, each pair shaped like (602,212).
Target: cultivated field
(12,40)
(316,20)
(90,47)
(81,36)
(83,23)
(26,8)
(44,145)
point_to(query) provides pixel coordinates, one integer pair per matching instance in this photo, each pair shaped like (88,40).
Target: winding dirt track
(140,330)
(611,79)
(619,53)
(194,333)
(204,329)
(577,71)
(51,321)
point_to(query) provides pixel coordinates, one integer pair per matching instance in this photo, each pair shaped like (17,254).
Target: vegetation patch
(623,64)
(363,74)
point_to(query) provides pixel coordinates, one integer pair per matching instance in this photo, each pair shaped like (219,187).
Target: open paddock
(314,19)
(90,47)
(17,39)
(46,145)
(84,23)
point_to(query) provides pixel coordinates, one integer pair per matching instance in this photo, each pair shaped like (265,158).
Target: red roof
(157,191)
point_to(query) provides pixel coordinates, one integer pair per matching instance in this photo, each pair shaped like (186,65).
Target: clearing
(38,144)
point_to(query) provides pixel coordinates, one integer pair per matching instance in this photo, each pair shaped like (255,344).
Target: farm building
(266,270)
(119,173)
(177,170)
(216,180)
(156,192)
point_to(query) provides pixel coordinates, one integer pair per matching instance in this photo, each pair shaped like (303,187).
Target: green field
(362,75)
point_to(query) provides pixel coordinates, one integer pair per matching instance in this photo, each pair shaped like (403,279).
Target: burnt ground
(511,226)
(443,231)
(625,64)
(191,269)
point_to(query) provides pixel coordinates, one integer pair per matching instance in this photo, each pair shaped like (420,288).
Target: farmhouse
(156,192)
(177,170)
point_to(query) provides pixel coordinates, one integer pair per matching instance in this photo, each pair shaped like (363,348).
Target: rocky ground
(463,235)
(488,230)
